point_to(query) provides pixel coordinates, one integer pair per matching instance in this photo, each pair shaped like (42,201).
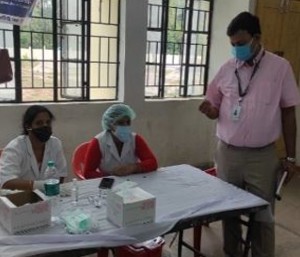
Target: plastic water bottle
(51,171)
(52,182)
(52,190)
(74,192)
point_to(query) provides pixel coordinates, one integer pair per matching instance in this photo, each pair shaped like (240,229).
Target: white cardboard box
(24,210)
(130,207)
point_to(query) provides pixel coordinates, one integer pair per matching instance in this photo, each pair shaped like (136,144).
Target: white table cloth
(181,192)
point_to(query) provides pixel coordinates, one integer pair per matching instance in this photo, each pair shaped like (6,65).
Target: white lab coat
(110,156)
(18,160)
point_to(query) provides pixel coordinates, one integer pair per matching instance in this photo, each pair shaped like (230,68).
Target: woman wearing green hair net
(117,150)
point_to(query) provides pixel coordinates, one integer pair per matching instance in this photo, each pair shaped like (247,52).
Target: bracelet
(291,159)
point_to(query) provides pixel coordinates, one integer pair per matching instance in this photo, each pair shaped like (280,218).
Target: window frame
(184,67)
(84,61)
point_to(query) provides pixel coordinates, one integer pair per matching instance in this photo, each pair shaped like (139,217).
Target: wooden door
(290,37)
(270,13)
(280,24)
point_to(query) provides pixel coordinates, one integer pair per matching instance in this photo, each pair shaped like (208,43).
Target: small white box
(24,210)
(130,207)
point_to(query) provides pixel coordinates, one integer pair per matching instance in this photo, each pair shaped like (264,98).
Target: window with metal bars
(69,50)
(177,55)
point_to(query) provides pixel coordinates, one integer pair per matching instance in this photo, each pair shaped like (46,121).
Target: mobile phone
(106,183)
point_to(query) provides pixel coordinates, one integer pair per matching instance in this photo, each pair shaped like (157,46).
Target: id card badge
(236,112)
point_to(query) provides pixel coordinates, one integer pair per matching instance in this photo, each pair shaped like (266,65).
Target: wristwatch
(291,159)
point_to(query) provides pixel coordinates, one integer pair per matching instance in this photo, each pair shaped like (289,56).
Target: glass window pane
(182,53)
(60,73)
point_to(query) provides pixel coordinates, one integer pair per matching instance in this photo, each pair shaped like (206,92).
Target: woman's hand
(125,170)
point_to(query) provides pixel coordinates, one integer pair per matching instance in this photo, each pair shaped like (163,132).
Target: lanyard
(256,66)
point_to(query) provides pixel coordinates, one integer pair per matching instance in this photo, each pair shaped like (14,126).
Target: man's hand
(291,168)
(210,111)
(125,170)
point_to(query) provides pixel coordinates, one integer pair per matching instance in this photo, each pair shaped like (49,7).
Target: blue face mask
(123,133)
(242,53)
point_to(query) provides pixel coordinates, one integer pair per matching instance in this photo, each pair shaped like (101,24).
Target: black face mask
(43,133)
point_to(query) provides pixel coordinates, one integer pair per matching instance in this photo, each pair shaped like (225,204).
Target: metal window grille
(69,50)
(178,39)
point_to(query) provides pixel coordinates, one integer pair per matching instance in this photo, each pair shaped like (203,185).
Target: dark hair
(244,21)
(31,114)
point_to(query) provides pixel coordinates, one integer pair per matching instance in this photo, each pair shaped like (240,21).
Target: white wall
(224,11)
(175,129)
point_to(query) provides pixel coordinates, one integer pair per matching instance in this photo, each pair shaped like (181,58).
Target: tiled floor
(287,228)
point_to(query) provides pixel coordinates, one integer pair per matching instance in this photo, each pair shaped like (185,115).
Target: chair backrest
(78,160)
(211,171)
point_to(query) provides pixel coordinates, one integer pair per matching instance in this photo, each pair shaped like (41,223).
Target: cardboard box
(130,207)
(24,210)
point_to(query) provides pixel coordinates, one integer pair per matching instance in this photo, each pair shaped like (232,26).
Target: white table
(183,193)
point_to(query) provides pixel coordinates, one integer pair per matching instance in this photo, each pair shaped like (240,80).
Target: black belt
(247,148)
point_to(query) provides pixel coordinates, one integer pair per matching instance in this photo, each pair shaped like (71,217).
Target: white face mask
(123,133)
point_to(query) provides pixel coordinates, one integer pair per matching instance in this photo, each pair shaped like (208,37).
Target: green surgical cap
(116,112)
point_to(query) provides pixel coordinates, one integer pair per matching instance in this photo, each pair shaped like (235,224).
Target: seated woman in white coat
(24,160)
(117,150)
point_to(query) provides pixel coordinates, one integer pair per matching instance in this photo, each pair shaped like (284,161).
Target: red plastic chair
(211,171)
(78,160)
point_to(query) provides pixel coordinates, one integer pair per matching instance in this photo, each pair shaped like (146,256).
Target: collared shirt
(18,160)
(272,87)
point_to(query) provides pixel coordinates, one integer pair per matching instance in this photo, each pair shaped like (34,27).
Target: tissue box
(24,210)
(132,206)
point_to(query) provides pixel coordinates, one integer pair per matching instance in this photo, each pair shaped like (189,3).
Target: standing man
(253,97)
